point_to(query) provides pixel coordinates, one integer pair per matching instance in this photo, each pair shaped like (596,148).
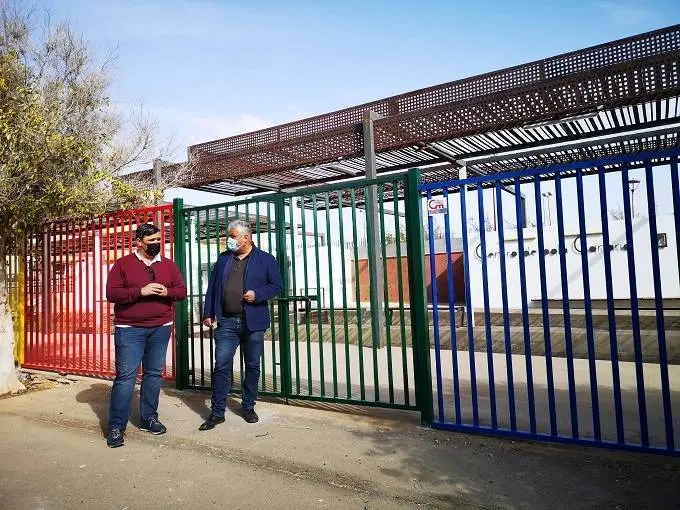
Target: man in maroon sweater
(143,286)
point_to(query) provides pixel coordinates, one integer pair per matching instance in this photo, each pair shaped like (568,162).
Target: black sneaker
(115,438)
(250,416)
(153,426)
(211,422)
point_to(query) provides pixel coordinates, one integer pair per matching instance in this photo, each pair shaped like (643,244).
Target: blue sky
(208,69)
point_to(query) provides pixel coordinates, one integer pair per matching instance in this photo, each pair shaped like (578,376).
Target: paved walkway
(316,456)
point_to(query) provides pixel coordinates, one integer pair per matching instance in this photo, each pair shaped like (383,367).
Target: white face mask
(232,244)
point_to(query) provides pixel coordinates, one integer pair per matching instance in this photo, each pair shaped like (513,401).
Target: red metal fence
(69,323)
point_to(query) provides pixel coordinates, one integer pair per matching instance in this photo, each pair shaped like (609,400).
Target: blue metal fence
(573,328)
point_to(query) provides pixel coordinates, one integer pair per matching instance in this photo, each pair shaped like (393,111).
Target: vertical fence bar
(35,294)
(594,399)
(241,361)
(504,298)
(208,258)
(284,307)
(343,272)
(294,290)
(199,260)
(330,292)
(258,242)
(271,303)
(28,277)
(27,299)
(634,310)
(77,300)
(400,289)
(675,185)
(386,297)
(565,305)
(611,311)
(318,287)
(372,259)
(544,305)
(191,274)
(434,292)
(520,214)
(48,287)
(118,221)
(182,307)
(357,289)
(658,299)
(86,308)
(59,326)
(167,216)
(487,311)
(84,293)
(100,297)
(468,307)
(108,330)
(418,297)
(308,307)
(450,281)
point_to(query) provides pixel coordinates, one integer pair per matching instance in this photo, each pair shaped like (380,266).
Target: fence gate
(68,322)
(572,303)
(342,329)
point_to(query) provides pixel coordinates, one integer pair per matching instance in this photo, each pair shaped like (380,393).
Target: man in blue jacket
(242,282)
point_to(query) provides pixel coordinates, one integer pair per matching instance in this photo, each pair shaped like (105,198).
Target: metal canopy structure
(617,98)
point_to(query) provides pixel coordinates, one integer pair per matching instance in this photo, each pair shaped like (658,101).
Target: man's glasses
(152,275)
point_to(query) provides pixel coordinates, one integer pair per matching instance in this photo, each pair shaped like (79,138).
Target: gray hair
(240,225)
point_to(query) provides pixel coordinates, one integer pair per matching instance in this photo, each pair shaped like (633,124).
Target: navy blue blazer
(262,276)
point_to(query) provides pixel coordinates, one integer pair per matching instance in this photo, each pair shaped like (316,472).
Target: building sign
(436,206)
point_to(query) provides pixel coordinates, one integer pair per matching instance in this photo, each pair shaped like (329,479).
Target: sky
(211,69)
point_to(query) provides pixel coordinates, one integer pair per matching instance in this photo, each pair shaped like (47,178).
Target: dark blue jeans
(135,346)
(230,333)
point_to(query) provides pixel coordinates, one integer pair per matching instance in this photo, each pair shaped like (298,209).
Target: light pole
(633,184)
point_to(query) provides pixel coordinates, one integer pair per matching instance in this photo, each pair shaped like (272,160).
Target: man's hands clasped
(154,289)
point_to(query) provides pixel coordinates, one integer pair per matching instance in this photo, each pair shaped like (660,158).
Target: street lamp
(633,184)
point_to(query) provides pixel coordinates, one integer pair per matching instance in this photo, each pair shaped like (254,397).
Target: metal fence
(68,322)
(573,300)
(341,331)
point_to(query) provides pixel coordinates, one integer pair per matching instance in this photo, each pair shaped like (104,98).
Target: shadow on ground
(97,397)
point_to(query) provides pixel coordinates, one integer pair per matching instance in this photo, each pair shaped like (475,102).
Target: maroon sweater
(124,288)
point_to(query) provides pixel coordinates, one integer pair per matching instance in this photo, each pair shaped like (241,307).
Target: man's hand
(249,297)
(208,323)
(154,289)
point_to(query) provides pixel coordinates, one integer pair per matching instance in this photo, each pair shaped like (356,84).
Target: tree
(62,145)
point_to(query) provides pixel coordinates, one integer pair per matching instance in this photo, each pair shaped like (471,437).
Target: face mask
(232,245)
(153,249)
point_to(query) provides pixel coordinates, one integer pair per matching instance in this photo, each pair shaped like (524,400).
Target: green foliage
(46,172)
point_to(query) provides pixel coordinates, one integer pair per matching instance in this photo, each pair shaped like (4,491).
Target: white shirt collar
(157,258)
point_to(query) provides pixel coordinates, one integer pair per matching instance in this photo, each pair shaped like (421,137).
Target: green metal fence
(347,327)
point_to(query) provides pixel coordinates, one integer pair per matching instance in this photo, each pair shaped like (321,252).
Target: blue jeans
(135,346)
(230,333)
